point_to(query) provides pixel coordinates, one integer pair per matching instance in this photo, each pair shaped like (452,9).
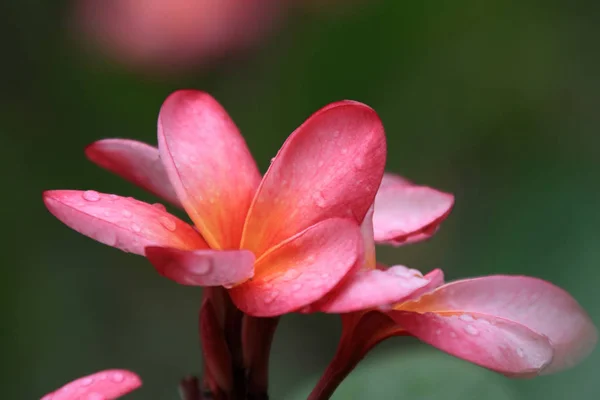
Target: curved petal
(124,223)
(331,166)
(407,213)
(209,165)
(137,162)
(501,345)
(536,304)
(373,288)
(106,385)
(202,267)
(301,270)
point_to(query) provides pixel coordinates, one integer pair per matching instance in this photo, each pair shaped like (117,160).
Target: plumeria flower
(518,326)
(103,385)
(278,243)
(170,36)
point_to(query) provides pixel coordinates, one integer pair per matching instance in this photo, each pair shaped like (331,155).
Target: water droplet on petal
(290,274)
(325,275)
(87,381)
(466,318)
(310,259)
(321,163)
(161,207)
(344,150)
(136,228)
(471,330)
(202,267)
(520,352)
(106,213)
(167,223)
(319,199)
(117,377)
(91,195)
(113,197)
(359,162)
(272,159)
(126,213)
(296,287)
(95,396)
(452,334)
(438,332)
(271,296)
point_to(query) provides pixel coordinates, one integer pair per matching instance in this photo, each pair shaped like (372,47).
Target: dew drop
(113,197)
(310,259)
(91,195)
(87,381)
(106,213)
(271,296)
(136,228)
(344,150)
(159,206)
(168,223)
(319,199)
(126,213)
(296,287)
(452,334)
(321,163)
(202,267)
(325,275)
(359,162)
(466,318)
(117,377)
(438,332)
(520,352)
(471,330)
(336,134)
(272,160)
(290,274)
(95,396)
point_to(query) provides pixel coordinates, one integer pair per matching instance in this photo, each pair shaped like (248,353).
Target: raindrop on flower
(296,287)
(136,228)
(91,195)
(167,223)
(126,213)
(290,274)
(520,352)
(159,206)
(319,199)
(471,330)
(271,296)
(452,334)
(117,377)
(86,381)
(202,267)
(466,318)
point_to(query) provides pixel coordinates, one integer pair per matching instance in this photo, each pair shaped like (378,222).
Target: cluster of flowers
(302,238)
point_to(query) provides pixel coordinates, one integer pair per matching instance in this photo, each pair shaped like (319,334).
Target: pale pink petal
(124,223)
(536,304)
(135,161)
(366,230)
(202,267)
(302,269)
(495,343)
(331,166)
(407,213)
(103,385)
(391,179)
(373,288)
(209,165)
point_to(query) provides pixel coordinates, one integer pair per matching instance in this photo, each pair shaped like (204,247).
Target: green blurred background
(493,101)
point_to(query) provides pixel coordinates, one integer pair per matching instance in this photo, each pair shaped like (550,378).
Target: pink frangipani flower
(278,243)
(518,326)
(103,385)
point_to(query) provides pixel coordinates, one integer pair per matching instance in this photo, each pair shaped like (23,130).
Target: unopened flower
(103,385)
(279,243)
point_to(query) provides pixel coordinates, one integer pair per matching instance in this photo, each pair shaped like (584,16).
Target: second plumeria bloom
(279,242)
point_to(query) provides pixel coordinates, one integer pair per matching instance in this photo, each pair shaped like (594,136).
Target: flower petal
(124,223)
(302,269)
(209,165)
(373,288)
(407,213)
(106,385)
(501,345)
(536,304)
(331,166)
(202,267)
(136,162)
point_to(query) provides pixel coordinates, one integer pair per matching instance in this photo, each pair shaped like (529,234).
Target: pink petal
(495,343)
(390,179)
(104,385)
(331,166)
(135,161)
(124,223)
(407,213)
(202,267)
(373,288)
(209,165)
(301,270)
(536,304)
